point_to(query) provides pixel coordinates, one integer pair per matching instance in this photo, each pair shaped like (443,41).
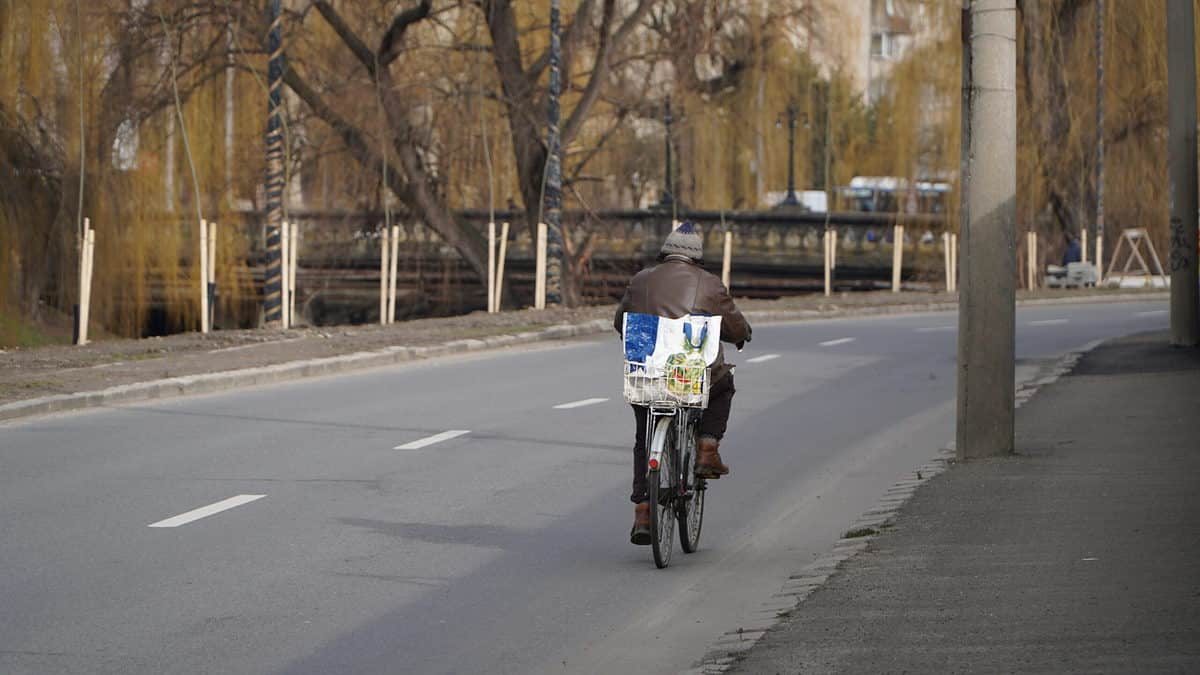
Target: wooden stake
(954,262)
(727,260)
(1029,260)
(81,329)
(212,273)
(1036,259)
(285,291)
(91,271)
(491,280)
(827,242)
(946,261)
(539,284)
(87,225)
(1083,244)
(294,249)
(87,258)
(384,247)
(897,256)
(395,258)
(833,249)
(204,276)
(1099,259)
(500,267)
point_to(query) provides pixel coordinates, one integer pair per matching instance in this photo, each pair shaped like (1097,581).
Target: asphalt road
(366,534)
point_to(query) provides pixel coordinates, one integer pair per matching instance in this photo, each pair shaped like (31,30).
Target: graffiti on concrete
(1180,260)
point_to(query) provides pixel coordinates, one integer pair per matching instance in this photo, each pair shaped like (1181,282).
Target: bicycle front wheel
(662,498)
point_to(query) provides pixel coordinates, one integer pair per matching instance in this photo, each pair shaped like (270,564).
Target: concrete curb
(725,652)
(281,372)
(295,370)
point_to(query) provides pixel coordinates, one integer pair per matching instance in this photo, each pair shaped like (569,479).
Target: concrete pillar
(1181,163)
(987,310)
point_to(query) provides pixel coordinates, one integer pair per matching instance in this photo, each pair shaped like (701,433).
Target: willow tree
(916,120)
(84,87)
(1057,156)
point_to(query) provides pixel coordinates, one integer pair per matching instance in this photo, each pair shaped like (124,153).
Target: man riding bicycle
(675,288)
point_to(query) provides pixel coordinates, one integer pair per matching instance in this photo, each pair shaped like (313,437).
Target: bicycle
(676,494)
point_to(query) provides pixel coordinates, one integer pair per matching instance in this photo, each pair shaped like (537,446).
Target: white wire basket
(681,385)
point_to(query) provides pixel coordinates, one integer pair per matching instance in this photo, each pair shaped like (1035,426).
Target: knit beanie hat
(685,241)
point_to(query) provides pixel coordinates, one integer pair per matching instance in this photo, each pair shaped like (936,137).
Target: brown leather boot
(640,534)
(708,460)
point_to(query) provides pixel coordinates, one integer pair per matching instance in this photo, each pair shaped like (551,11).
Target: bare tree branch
(389,46)
(347,35)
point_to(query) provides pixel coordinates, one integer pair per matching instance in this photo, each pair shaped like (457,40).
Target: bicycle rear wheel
(690,508)
(662,501)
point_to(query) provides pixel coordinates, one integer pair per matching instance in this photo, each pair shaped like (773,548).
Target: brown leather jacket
(678,287)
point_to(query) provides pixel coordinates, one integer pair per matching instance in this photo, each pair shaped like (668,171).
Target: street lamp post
(792,113)
(668,194)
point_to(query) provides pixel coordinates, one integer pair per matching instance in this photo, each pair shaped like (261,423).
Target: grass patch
(16,332)
(142,356)
(38,384)
(860,532)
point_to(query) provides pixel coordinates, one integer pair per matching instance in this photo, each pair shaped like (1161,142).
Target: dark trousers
(712,423)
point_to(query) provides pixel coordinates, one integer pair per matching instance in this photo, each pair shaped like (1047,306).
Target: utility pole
(1099,134)
(792,113)
(1181,162)
(554,241)
(272,283)
(230,110)
(987,301)
(828,176)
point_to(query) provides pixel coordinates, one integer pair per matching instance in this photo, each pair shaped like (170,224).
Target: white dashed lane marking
(1156,312)
(761,359)
(430,440)
(936,329)
(206,511)
(1049,322)
(839,341)
(579,404)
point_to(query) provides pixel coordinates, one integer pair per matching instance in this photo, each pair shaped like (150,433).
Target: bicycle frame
(663,420)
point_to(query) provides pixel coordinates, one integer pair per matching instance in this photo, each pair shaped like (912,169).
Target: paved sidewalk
(1080,554)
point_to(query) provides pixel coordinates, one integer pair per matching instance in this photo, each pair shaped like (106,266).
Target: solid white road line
(1049,322)
(430,440)
(206,511)
(579,404)
(936,329)
(764,357)
(1156,312)
(839,341)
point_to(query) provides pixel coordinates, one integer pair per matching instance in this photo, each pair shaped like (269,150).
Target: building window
(883,45)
